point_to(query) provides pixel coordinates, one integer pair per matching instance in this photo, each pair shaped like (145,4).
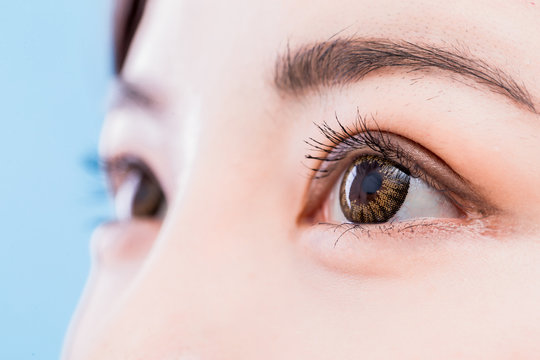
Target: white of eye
(125,195)
(422,201)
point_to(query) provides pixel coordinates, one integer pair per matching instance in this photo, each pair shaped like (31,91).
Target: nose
(118,250)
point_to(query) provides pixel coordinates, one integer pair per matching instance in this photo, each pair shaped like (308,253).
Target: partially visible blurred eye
(376,190)
(137,193)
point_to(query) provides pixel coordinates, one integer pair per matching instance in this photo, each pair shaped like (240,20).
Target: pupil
(367,181)
(372,183)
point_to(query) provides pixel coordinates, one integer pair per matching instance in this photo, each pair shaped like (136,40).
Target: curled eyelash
(346,138)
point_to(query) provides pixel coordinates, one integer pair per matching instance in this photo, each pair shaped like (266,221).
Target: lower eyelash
(392,228)
(367,229)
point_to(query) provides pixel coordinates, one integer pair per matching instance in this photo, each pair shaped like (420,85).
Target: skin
(234,271)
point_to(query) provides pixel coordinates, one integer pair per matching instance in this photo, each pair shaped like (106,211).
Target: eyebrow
(343,61)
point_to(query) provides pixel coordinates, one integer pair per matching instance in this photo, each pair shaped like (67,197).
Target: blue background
(55,68)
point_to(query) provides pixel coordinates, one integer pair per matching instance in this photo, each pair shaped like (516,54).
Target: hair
(127,16)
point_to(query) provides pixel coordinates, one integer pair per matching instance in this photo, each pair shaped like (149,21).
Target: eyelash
(345,140)
(359,136)
(389,228)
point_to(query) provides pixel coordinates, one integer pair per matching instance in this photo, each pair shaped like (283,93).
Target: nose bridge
(223,196)
(223,244)
(228,162)
(225,212)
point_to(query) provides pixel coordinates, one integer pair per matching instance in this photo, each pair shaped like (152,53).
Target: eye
(367,176)
(136,191)
(377,190)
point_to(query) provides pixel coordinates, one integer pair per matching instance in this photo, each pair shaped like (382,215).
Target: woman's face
(321,180)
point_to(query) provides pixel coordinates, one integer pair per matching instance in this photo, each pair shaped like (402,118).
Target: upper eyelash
(345,139)
(116,167)
(122,164)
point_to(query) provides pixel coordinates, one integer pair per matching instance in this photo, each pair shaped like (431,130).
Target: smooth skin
(234,272)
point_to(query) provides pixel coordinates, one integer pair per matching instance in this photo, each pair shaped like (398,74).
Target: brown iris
(149,199)
(373,190)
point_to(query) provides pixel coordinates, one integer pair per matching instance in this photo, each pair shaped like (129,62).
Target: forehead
(220,42)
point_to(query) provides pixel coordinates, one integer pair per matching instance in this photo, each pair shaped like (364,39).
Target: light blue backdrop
(54,72)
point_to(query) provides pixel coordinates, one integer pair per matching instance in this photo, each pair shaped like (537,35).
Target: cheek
(480,300)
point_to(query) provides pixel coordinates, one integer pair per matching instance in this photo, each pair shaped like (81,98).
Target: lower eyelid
(391,250)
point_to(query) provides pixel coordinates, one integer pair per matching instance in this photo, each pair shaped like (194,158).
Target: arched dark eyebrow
(343,61)
(127,16)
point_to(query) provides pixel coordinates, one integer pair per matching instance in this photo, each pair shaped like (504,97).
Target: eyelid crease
(348,143)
